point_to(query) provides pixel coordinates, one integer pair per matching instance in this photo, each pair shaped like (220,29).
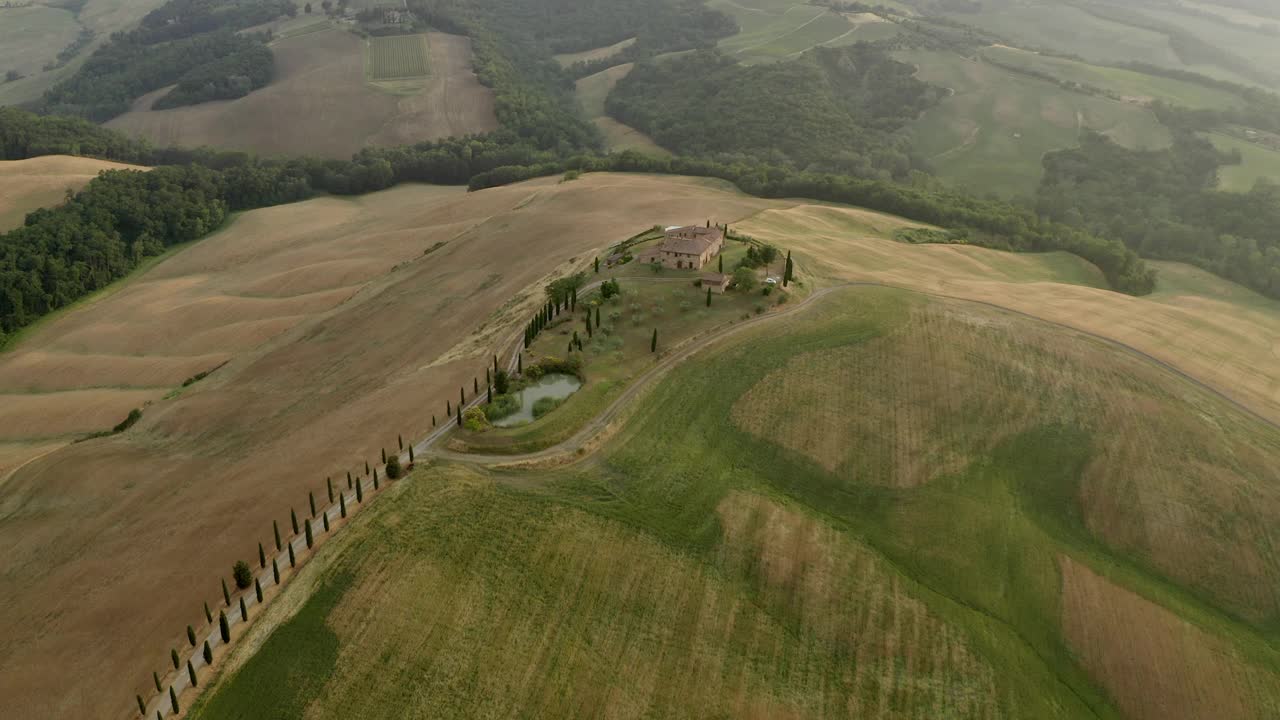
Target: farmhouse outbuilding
(716,282)
(688,247)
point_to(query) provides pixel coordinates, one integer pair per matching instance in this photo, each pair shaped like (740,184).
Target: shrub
(393,468)
(544,406)
(744,279)
(502,382)
(134,416)
(242,574)
(474,420)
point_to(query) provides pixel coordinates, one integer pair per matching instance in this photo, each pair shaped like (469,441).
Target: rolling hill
(43,182)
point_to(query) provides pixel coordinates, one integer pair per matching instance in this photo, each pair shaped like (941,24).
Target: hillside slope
(43,182)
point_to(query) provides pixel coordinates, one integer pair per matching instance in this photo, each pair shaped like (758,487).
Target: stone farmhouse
(686,248)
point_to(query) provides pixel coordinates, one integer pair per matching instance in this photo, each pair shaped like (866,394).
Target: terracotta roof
(703,238)
(715,278)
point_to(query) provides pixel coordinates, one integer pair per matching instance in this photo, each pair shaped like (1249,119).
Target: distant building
(717,282)
(687,248)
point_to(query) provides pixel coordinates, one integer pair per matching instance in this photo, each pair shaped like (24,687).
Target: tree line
(832,110)
(191,43)
(1163,204)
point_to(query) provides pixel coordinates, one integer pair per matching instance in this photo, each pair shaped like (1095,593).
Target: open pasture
(397,57)
(1258,163)
(1129,84)
(32,36)
(592,91)
(43,182)
(991,133)
(340,334)
(567,59)
(659,572)
(1213,330)
(773,30)
(321,103)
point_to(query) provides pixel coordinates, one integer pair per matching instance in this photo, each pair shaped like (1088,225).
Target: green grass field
(591,92)
(773,30)
(1259,162)
(1126,83)
(992,133)
(888,507)
(33,36)
(397,57)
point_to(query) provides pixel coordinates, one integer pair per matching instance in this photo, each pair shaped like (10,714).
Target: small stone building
(717,282)
(688,248)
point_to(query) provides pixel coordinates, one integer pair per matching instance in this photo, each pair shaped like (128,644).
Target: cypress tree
(375,478)
(155,677)
(208,653)
(293,519)
(520,364)
(384,456)
(342,503)
(325,517)
(208,616)
(262,563)
(526,338)
(191,636)
(433,422)
(159,716)
(311,498)
(708,297)
(596,262)
(459,417)
(173,699)
(400,439)
(275,528)
(489,391)
(573,300)
(462,397)
(244,610)
(173,655)
(224,627)
(488,377)
(275,570)
(307,527)
(359,491)
(570,345)
(597,316)
(410,454)
(191,673)
(653,344)
(475,386)
(366,469)
(589,324)
(328,484)
(495,364)
(142,708)
(448,409)
(720,267)
(226,595)
(293,560)
(348,481)
(257,590)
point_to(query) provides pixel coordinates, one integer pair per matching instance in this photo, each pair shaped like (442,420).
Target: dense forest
(1163,204)
(190,43)
(833,110)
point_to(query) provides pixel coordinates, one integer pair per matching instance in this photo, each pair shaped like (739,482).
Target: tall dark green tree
(142,707)
(293,559)
(275,529)
(384,456)
(262,562)
(653,344)
(275,568)
(173,700)
(191,673)
(311,498)
(596,263)
(708,297)
(191,635)
(208,616)
(325,519)
(155,677)
(293,520)
(173,656)
(257,590)
(224,627)
(328,484)
(342,505)
(359,491)
(349,482)
(306,526)
(720,264)
(241,573)
(244,609)
(208,653)
(226,596)
(410,455)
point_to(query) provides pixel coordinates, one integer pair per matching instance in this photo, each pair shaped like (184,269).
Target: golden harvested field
(320,103)
(340,335)
(1210,329)
(43,182)
(1157,665)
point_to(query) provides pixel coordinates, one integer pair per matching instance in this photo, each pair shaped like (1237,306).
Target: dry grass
(43,182)
(1176,478)
(1155,665)
(332,353)
(591,92)
(601,53)
(320,104)
(1207,334)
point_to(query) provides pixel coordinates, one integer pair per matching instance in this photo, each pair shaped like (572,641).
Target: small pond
(555,386)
